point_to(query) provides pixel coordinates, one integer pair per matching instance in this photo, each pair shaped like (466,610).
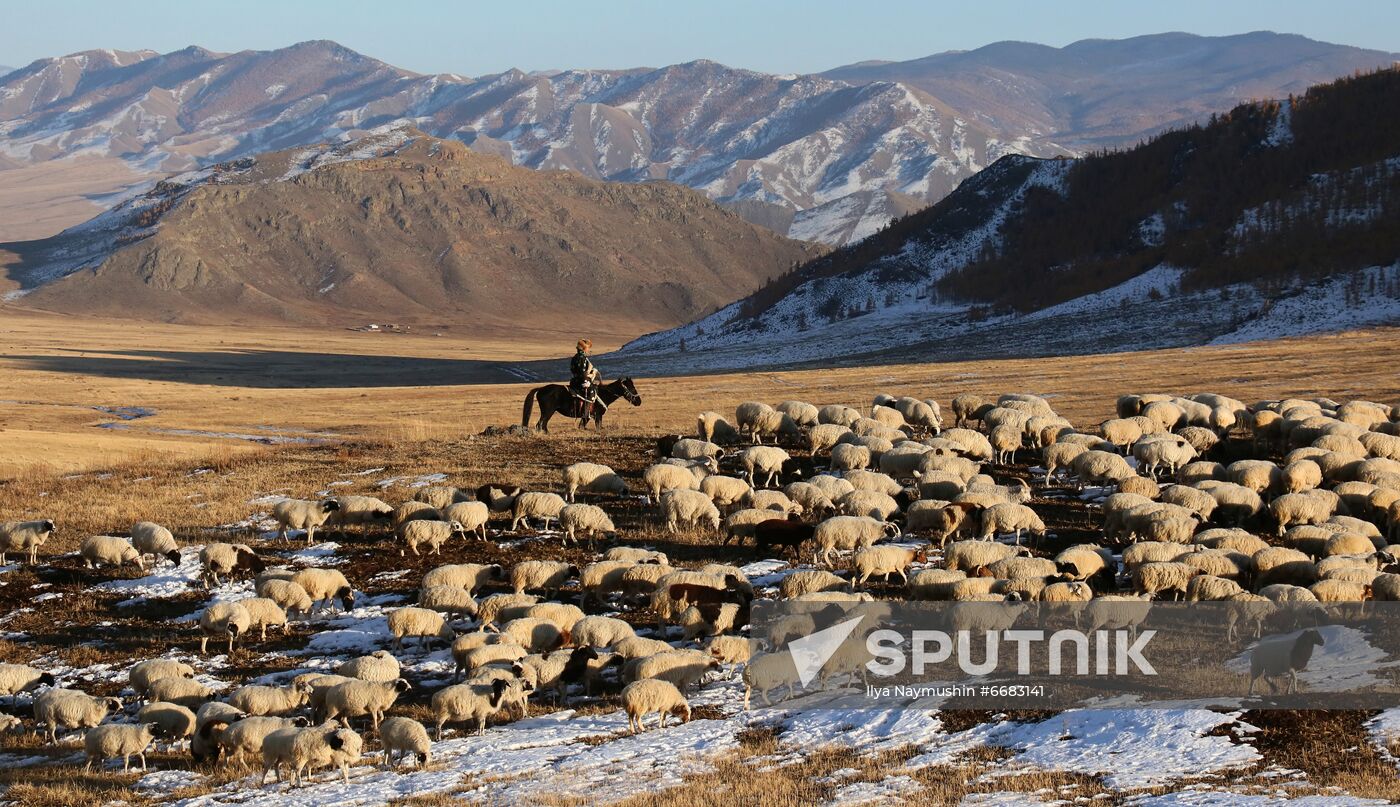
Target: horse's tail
(529,405)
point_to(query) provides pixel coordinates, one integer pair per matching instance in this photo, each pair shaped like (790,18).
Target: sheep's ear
(335,741)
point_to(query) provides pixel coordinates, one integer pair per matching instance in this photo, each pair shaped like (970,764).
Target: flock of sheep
(886,493)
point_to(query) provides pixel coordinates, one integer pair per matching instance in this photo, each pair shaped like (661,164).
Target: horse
(559,398)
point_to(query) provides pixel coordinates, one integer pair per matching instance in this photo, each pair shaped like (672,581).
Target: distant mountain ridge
(399,226)
(1276,218)
(834,156)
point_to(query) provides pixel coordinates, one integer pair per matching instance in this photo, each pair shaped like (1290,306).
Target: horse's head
(629,391)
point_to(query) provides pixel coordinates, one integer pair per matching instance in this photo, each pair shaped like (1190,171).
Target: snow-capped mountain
(1277,218)
(835,156)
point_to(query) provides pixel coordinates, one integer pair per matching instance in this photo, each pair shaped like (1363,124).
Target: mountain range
(399,226)
(1275,218)
(830,157)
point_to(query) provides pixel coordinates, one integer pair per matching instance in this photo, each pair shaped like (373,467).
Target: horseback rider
(583,381)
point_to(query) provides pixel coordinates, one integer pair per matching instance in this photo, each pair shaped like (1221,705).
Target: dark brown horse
(558,398)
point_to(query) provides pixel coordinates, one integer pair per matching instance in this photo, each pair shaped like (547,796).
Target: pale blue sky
(474,38)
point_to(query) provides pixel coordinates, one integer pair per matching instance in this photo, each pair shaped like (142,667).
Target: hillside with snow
(1275,220)
(836,155)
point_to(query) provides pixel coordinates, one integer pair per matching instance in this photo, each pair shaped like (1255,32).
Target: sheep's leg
(142,754)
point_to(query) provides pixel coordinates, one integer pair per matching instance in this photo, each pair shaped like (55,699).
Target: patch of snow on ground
(1346,662)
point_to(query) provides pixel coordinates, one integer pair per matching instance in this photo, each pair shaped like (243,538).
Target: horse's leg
(546,411)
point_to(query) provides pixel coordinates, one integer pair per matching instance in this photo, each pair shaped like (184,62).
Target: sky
(778,36)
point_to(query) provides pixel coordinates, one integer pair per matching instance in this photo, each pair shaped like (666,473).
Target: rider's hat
(585,344)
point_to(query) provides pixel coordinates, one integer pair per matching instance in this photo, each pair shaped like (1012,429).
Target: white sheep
(245,736)
(809,580)
(711,427)
(824,437)
(601,631)
(1007,517)
(262,613)
(585,519)
(326,585)
(452,600)
(118,740)
(934,584)
(183,691)
(740,524)
(872,481)
(802,413)
(1096,467)
(71,709)
(364,511)
(689,449)
(258,700)
(470,576)
(833,487)
(153,539)
(25,536)
(1308,507)
(849,457)
(664,477)
(972,556)
(311,748)
(377,666)
(363,698)
(590,477)
(422,623)
(848,532)
(768,671)
(463,702)
(224,559)
(535,634)
(634,554)
(535,504)
(223,620)
(17,678)
(503,608)
(641,698)
(301,514)
(472,516)
(173,722)
(542,575)
(432,533)
(838,414)
(683,668)
(290,596)
(440,497)
(885,560)
(404,735)
(99,549)
(726,491)
(1153,578)
(763,460)
(689,508)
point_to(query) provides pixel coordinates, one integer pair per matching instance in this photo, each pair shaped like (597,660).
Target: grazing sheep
(590,477)
(695,450)
(711,427)
(404,735)
(422,623)
(153,539)
(768,671)
(634,554)
(1083,562)
(140,676)
(726,491)
(300,514)
(499,497)
(1340,591)
(267,700)
(412,511)
(848,457)
(824,437)
(972,556)
(1208,588)
(183,691)
(603,577)
(173,722)
(885,560)
(1096,467)
(1282,655)
(742,524)
(362,511)
(99,549)
(848,532)
(664,477)
(71,709)
(309,749)
(535,634)
(833,487)
(500,608)
(463,702)
(377,666)
(223,619)
(226,559)
(838,414)
(601,631)
(689,508)
(440,497)
(641,698)
(474,650)
(245,736)
(21,536)
(541,575)
(683,668)
(17,678)
(1117,612)
(1285,593)
(729,649)
(118,740)
(763,460)
(1059,456)
(1308,507)
(1152,579)
(640,647)
(1066,591)
(1006,517)
(535,504)
(473,516)
(290,596)
(934,584)
(263,612)
(326,585)
(810,580)
(453,600)
(585,519)
(1158,451)
(363,698)
(759,419)
(470,576)
(801,412)
(1260,476)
